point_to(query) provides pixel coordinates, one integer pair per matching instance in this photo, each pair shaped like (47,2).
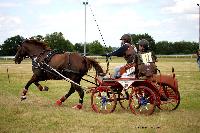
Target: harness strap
(50,54)
(71,71)
(89,81)
(69,62)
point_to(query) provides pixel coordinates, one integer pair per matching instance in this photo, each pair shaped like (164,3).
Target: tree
(9,47)
(38,37)
(57,41)
(182,47)
(108,49)
(79,47)
(164,47)
(95,48)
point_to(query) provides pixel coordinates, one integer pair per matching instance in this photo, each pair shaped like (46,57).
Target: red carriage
(141,95)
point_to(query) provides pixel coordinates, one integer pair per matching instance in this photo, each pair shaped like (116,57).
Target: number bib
(146,58)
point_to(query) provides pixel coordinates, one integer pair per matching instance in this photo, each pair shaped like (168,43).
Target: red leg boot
(59,102)
(78,106)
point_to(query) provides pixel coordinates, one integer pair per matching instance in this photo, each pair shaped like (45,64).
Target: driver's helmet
(126,38)
(145,44)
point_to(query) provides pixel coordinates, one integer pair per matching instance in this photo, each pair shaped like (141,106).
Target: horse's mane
(37,43)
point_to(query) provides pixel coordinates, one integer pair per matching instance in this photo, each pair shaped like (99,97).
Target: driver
(127,50)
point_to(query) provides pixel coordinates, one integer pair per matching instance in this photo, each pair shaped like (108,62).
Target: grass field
(39,114)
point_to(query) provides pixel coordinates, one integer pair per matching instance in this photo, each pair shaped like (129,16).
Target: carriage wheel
(142,100)
(123,98)
(169,99)
(103,100)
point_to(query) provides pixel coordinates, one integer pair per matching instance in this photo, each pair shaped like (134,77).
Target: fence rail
(99,57)
(7,57)
(177,56)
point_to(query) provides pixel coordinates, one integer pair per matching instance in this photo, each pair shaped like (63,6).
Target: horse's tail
(93,63)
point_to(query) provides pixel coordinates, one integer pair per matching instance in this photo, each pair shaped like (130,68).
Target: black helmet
(144,43)
(126,38)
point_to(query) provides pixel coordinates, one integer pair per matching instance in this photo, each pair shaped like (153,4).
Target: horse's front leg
(40,87)
(25,89)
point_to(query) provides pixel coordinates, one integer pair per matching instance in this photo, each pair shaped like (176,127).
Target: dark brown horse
(71,65)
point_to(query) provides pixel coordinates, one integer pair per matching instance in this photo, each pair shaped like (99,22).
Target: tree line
(57,41)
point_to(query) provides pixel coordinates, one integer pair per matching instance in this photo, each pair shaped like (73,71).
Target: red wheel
(123,98)
(103,100)
(142,100)
(169,98)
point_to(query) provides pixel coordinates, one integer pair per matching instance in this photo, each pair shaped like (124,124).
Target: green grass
(39,114)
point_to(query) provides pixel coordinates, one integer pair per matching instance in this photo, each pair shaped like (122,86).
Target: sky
(171,20)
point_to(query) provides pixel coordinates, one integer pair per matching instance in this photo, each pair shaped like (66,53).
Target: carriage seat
(128,70)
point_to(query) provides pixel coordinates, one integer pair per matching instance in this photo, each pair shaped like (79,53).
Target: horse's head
(30,48)
(21,53)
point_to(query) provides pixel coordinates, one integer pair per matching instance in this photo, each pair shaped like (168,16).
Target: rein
(38,57)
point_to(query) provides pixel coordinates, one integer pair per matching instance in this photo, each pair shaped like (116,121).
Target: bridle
(33,56)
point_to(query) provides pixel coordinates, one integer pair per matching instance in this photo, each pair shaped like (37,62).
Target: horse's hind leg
(25,89)
(71,91)
(81,94)
(40,87)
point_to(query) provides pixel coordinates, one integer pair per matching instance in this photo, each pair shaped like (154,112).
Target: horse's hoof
(78,106)
(58,102)
(45,88)
(23,98)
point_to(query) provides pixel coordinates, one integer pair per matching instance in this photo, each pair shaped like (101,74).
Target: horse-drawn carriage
(139,94)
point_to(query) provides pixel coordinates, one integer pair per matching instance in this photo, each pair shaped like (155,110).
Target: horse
(70,64)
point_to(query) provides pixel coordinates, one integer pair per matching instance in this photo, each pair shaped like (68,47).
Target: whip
(97,24)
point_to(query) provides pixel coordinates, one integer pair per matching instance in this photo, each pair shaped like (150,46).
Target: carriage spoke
(142,101)
(171,98)
(103,100)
